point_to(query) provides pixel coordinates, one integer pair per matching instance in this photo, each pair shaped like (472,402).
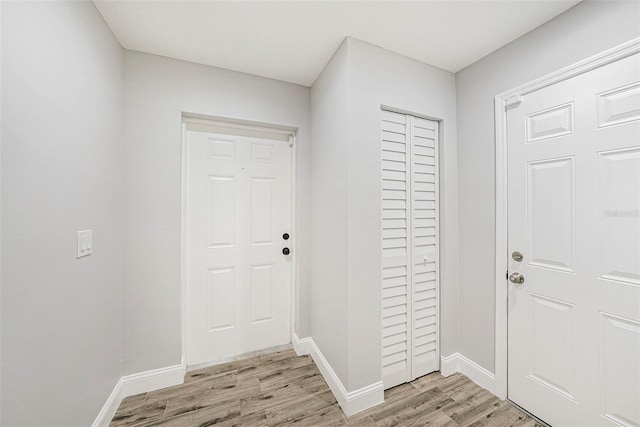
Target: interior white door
(410,278)
(238,210)
(574,214)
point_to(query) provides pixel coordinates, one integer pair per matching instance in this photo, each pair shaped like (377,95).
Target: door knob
(286,251)
(516,278)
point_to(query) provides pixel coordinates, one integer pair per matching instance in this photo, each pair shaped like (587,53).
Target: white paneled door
(574,215)
(238,209)
(410,280)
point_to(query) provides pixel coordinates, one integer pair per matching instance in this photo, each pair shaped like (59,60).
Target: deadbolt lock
(517,256)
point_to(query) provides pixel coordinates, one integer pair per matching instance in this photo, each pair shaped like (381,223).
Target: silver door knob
(516,278)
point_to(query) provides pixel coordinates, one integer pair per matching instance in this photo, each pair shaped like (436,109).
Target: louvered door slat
(409,234)
(395,250)
(424,200)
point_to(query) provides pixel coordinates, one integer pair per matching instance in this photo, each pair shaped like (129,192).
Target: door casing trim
(502,102)
(281,134)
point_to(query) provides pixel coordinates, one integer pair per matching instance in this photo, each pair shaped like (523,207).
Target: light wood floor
(283,389)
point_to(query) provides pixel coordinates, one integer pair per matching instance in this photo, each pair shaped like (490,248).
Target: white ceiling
(293,40)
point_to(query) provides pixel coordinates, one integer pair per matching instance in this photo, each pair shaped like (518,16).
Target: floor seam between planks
(281,389)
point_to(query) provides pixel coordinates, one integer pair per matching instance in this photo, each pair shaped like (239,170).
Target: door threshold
(538,420)
(239,357)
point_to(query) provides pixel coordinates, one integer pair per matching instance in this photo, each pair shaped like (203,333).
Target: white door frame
(223,125)
(504,101)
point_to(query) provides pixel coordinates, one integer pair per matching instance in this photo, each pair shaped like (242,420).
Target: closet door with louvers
(410,258)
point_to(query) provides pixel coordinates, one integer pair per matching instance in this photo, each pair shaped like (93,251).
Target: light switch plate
(85,243)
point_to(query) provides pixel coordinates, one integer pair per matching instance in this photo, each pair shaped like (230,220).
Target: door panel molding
(503,102)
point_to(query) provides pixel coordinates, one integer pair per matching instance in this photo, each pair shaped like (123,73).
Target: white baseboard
(142,382)
(301,346)
(110,407)
(476,373)
(351,402)
(449,364)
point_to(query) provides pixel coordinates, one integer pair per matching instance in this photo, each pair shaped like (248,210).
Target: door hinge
(513,102)
(506,276)
(292,140)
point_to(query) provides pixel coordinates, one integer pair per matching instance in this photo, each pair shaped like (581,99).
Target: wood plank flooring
(281,388)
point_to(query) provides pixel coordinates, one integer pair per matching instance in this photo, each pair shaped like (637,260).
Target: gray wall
(380,77)
(157,91)
(61,172)
(346,222)
(329,232)
(583,31)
